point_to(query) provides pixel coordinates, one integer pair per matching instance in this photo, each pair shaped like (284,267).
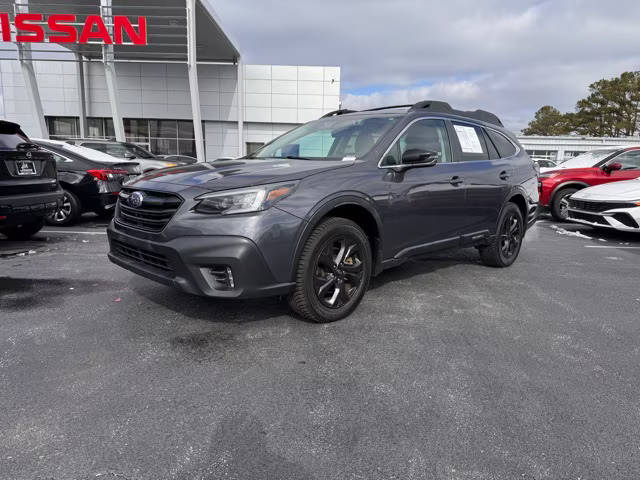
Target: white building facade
(186,91)
(156,108)
(562,148)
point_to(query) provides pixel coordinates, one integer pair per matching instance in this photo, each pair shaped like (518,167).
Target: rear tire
(559,204)
(505,246)
(68,213)
(24,231)
(333,271)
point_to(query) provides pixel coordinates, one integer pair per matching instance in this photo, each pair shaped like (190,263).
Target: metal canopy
(167,29)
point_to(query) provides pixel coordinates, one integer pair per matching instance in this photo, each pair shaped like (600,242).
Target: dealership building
(186,91)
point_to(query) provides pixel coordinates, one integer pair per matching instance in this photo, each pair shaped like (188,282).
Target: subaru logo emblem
(135,199)
(28,155)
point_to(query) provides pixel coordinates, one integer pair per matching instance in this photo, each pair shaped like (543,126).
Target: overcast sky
(507,56)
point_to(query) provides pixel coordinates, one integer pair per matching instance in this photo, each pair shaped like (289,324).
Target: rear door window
(503,145)
(470,142)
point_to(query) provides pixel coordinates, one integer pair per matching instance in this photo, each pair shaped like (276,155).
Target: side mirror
(417,157)
(129,156)
(612,167)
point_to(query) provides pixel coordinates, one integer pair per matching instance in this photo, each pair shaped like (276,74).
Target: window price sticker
(469,141)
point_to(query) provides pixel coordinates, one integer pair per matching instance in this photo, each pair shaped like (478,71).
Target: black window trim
(449,121)
(406,127)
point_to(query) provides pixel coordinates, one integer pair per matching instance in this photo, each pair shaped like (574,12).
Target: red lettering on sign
(88,33)
(36,30)
(122,25)
(4,25)
(71,34)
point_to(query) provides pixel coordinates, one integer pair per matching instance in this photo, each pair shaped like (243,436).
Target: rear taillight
(106,175)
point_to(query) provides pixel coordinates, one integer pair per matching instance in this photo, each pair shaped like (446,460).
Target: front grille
(588,206)
(152,215)
(140,255)
(587,217)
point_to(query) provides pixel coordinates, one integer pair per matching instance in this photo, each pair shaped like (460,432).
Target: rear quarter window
(503,145)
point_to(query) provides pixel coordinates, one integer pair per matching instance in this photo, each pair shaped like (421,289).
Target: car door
(630,161)
(427,203)
(486,175)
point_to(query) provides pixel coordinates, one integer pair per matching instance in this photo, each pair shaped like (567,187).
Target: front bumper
(17,209)
(188,263)
(623,219)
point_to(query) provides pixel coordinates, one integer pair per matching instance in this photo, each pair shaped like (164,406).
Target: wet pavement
(448,369)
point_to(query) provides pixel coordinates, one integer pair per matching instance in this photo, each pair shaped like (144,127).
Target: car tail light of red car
(106,175)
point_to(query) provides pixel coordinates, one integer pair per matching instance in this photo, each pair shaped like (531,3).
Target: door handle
(455,181)
(504,175)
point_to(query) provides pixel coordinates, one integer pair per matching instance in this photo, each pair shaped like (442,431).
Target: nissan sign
(63,29)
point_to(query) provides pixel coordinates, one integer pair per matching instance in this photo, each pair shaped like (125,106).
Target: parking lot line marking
(609,246)
(73,231)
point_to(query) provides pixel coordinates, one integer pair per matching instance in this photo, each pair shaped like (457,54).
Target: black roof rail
(444,107)
(338,112)
(385,108)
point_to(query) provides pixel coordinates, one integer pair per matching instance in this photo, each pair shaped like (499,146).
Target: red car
(586,170)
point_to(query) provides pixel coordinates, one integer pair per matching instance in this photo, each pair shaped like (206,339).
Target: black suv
(318,211)
(29,189)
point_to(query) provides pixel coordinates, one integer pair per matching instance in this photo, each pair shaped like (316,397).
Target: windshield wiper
(295,157)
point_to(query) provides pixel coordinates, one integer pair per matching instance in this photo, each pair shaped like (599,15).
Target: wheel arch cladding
(519,200)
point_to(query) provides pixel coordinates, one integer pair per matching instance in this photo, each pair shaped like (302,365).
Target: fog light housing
(221,277)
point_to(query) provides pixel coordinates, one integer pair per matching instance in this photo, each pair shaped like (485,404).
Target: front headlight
(246,200)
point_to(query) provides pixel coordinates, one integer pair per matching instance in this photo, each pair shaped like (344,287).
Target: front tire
(333,272)
(68,212)
(24,231)
(505,247)
(560,204)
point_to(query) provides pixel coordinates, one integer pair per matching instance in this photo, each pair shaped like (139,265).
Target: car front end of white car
(614,205)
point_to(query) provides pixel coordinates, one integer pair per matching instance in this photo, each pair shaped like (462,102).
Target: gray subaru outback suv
(320,210)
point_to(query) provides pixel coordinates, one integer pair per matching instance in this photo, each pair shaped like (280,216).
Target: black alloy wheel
(333,271)
(505,246)
(339,271)
(510,235)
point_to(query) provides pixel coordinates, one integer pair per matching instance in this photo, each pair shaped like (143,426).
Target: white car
(127,152)
(610,205)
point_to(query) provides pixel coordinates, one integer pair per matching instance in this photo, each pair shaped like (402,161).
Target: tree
(611,109)
(548,121)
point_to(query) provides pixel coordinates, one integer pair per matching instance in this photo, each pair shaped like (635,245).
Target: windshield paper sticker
(469,141)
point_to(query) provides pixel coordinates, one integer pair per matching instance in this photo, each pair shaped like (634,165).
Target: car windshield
(588,159)
(139,152)
(330,138)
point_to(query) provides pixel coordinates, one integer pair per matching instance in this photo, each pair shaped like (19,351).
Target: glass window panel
(164,128)
(164,146)
(136,127)
(185,129)
(187,147)
(108,128)
(63,126)
(95,127)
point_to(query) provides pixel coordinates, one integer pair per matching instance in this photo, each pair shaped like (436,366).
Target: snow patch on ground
(562,231)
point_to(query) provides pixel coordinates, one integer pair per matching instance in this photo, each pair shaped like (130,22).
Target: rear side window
(10,141)
(101,147)
(504,146)
(471,142)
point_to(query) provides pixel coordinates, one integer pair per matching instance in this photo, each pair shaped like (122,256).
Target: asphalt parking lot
(448,369)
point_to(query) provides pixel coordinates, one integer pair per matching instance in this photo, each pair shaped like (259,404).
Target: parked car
(127,152)
(317,212)
(91,180)
(611,205)
(179,159)
(545,165)
(589,169)
(29,188)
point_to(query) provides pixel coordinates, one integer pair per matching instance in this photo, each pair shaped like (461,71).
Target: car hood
(228,174)
(625,190)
